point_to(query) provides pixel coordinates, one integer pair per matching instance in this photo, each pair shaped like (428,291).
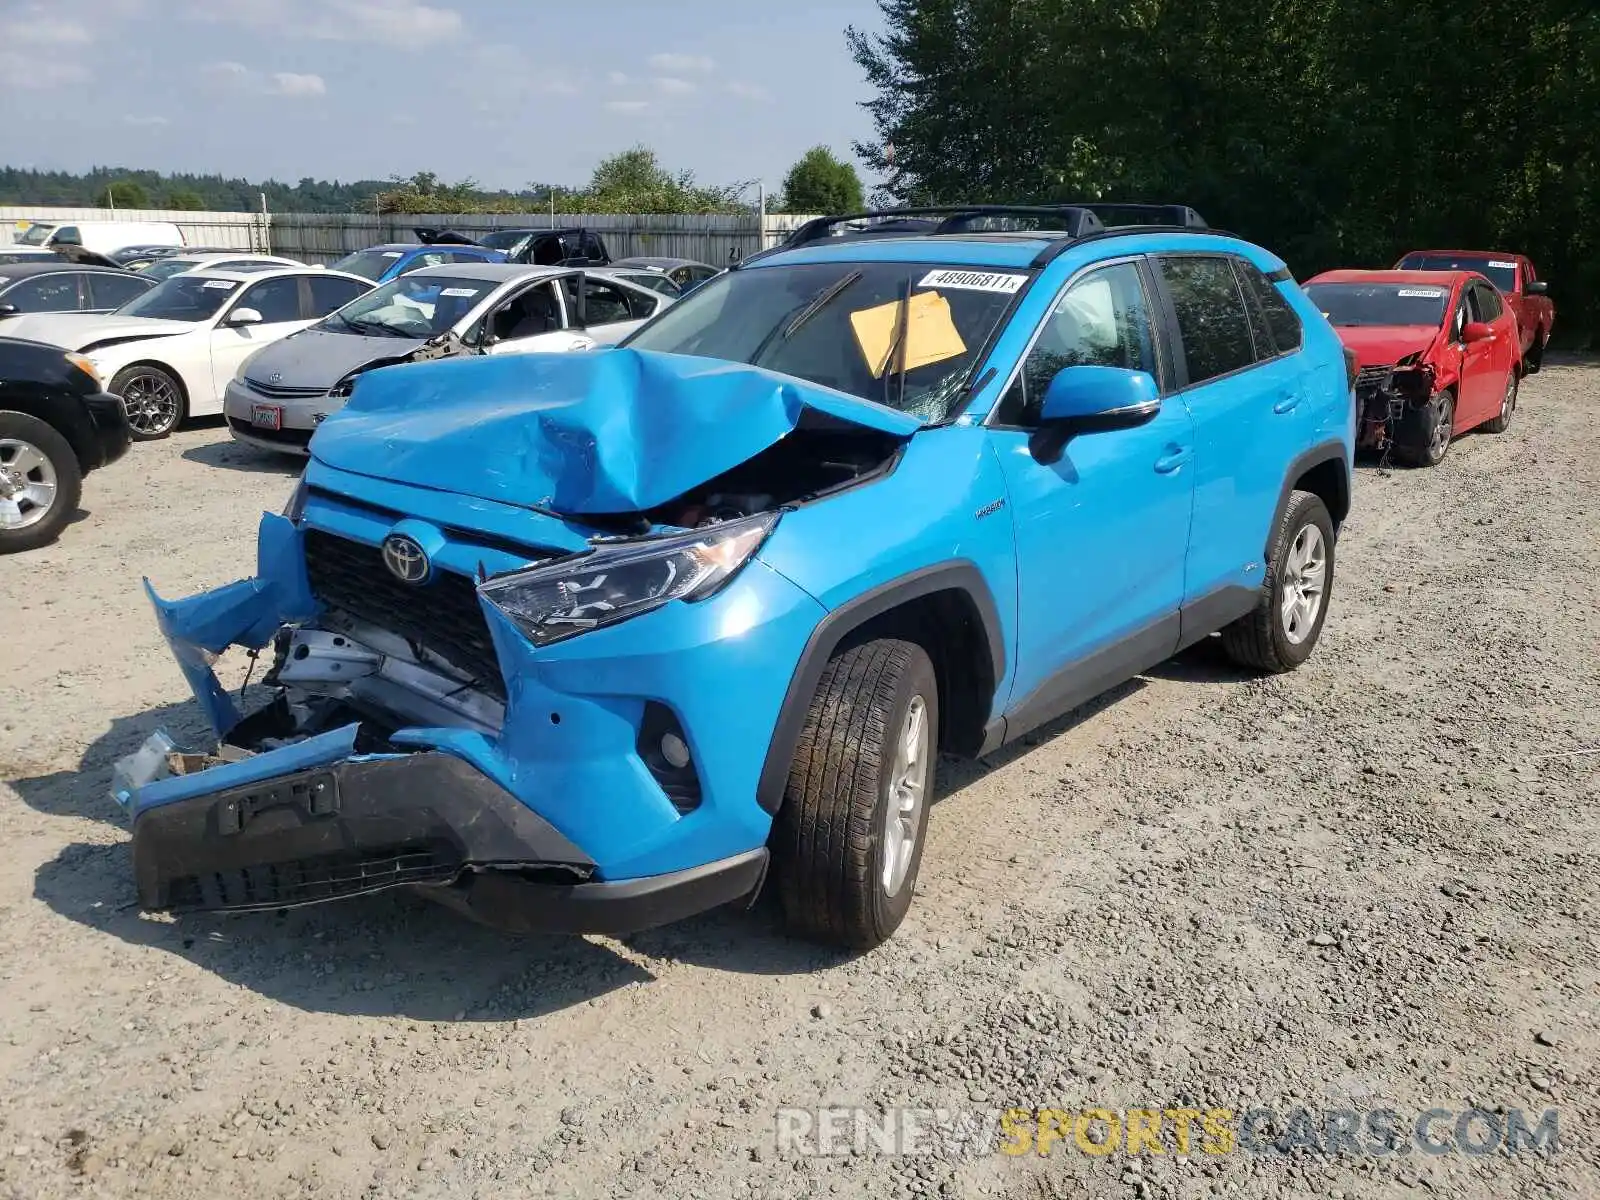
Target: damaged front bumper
(1383,394)
(354,825)
(528,811)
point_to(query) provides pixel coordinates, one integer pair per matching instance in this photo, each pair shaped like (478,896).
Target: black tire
(1508,405)
(1533,360)
(19,430)
(1415,443)
(1263,639)
(159,403)
(828,842)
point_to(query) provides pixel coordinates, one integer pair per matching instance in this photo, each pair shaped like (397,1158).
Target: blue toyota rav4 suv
(592,642)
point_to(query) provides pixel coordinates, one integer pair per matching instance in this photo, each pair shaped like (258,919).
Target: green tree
(185,199)
(634,181)
(822,183)
(125,193)
(1334,132)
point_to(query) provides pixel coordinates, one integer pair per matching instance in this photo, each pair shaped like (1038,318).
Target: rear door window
(1213,323)
(329,293)
(113,291)
(1282,321)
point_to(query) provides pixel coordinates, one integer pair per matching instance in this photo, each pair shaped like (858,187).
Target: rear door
(610,311)
(1247,400)
(529,320)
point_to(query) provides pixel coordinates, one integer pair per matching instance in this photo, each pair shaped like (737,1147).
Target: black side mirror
(9,310)
(1536,287)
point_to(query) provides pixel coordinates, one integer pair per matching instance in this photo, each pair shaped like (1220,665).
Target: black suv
(57,423)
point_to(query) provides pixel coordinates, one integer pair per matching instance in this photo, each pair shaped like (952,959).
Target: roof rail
(1063,223)
(1113,213)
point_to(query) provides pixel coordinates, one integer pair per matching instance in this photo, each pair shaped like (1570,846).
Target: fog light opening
(675,750)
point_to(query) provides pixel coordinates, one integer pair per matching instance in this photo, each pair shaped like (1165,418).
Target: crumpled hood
(604,431)
(1383,345)
(319,358)
(74,331)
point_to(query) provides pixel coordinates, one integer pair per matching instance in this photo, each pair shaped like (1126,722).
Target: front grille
(289,437)
(276,392)
(302,881)
(442,615)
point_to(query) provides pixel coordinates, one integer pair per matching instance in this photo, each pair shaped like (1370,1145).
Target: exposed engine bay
(1383,394)
(391,656)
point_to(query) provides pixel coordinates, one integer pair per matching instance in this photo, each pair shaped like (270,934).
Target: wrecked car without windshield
(592,642)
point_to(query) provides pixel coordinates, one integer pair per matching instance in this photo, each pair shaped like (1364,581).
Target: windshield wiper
(897,348)
(813,306)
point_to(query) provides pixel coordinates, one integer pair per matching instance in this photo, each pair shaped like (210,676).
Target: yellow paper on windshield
(931,334)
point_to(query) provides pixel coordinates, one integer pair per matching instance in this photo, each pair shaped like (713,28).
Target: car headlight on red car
(619,580)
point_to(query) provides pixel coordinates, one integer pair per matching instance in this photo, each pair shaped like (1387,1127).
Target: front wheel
(1423,437)
(153,398)
(848,840)
(1282,630)
(40,482)
(1508,405)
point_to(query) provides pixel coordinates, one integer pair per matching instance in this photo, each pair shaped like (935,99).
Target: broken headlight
(296,507)
(614,582)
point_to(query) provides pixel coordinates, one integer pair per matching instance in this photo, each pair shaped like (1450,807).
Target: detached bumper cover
(428,821)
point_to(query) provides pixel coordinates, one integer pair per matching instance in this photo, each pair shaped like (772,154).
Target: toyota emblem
(275,377)
(406,560)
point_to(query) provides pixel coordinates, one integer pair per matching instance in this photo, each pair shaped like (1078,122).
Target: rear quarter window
(1283,323)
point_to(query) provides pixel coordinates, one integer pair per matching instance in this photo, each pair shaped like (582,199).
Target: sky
(507,92)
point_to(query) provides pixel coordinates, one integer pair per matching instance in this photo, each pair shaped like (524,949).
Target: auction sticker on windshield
(225,285)
(976,281)
(458,291)
(1421,293)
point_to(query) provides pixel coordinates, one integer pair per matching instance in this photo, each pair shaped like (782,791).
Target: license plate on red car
(266,416)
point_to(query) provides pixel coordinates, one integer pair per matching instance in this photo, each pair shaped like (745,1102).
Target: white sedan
(171,352)
(166,268)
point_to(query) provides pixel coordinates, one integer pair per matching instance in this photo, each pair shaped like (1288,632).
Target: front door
(278,302)
(1479,391)
(1101,532)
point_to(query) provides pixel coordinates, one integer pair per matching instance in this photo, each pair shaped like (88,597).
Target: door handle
(1174,458)
(1288,401)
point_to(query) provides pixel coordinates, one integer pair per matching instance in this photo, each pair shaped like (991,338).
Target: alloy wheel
(152,402)
(908,780)
(28,484)
(1304,580)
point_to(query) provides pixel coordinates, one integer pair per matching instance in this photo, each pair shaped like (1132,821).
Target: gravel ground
(1369,884)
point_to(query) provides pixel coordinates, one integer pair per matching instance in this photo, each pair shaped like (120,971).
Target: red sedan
(1436,352)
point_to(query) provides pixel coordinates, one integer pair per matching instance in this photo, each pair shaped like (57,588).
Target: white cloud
(673,87)
(287,83)
(628,106)
(238,77)
(145,122)
(36,27)
(616,79)
(397,22)
(405,23)
(682,63)
(749,91)
(33,73)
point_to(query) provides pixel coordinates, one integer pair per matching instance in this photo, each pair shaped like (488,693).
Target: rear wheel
(1508,405)
(1282,630)
(154,400)
(848,840)
(1534,358)
(40,482)
(1423,438)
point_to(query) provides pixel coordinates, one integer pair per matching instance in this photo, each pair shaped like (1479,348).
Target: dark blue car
(594,641)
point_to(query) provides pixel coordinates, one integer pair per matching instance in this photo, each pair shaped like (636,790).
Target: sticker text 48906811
(975,281)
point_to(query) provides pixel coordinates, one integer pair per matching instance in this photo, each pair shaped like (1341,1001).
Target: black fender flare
(1324,452)
(960,575)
